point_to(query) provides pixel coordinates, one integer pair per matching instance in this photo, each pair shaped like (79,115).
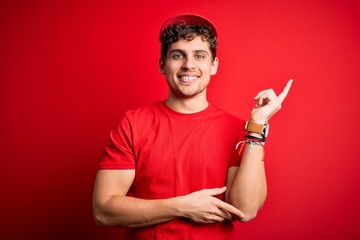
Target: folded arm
(112,206)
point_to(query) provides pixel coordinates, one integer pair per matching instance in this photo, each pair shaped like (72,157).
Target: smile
(188,79)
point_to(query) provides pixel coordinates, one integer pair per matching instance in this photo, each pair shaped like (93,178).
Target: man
(183,168)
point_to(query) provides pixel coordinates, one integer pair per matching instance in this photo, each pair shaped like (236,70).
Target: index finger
(229,208)
(285,92)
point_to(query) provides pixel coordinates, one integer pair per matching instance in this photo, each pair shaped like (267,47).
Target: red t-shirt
(174,154)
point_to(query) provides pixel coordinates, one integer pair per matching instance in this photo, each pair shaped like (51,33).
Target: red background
(68,70)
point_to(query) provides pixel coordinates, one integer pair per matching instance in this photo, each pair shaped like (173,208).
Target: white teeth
(188,78)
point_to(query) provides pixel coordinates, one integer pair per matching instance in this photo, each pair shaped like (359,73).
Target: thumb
(216,191)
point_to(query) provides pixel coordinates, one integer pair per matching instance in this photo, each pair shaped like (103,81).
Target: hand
(202,207)
(267,104)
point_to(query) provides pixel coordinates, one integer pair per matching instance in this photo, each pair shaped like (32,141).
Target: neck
(194,104)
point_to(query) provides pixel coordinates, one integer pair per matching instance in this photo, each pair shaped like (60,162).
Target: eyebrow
(196,51)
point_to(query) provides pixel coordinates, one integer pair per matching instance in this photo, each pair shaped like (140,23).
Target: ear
(161,66)
(214,66)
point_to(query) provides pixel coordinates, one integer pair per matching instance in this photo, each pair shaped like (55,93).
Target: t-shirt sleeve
(118,152)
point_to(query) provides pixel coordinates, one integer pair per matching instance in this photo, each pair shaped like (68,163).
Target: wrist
(257,135)
(258,121)
(179,206)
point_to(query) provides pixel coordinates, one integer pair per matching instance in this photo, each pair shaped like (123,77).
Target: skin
(188,69)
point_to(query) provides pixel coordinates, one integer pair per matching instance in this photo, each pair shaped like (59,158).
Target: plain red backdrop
(70,68)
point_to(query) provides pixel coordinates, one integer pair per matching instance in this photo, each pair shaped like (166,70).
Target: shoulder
(143,116)
(144,111)
(138,118)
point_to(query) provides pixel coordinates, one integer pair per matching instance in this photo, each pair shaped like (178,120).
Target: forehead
(196,44)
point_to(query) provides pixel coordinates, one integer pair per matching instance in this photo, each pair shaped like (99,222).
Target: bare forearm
(201,207)
(248,189)
(112,206)
(134,212)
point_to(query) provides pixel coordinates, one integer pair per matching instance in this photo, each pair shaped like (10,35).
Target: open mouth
(188,78)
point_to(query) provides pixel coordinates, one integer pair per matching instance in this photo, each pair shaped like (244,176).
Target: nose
(188,63)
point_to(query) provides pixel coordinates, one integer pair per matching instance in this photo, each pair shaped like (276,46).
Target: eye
(200,56)
(178,56)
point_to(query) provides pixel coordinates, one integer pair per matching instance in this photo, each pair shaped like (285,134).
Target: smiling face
(188,67)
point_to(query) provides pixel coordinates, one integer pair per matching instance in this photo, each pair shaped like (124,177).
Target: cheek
(208,70)
(171,68)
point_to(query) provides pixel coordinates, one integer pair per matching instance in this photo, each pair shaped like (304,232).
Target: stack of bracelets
(250,140)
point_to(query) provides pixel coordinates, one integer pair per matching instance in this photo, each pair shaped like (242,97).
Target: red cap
(188,19)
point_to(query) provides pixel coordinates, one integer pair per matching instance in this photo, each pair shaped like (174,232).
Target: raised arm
(247,183)
(111,206)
